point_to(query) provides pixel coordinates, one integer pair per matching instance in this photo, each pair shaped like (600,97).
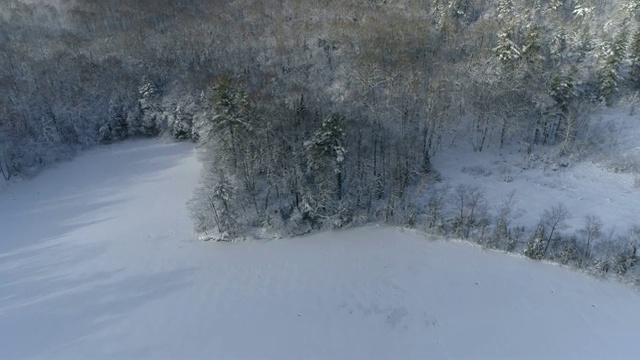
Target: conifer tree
(507,51)
(536,244)
(230,123)
(635,58)
(531,49)
(613,58)
(326,154)
(150,108)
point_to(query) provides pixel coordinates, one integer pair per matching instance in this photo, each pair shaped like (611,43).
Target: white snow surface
(605,182)
(97,261)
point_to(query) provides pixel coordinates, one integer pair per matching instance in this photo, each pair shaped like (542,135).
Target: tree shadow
(51,312)
(56,283)
(63,199)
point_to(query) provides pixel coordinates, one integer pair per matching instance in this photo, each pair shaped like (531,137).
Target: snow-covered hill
(97,261)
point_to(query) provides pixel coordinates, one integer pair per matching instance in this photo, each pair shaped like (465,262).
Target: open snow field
(97,261)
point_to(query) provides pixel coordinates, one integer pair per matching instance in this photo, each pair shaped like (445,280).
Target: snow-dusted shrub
(536,244)
(476,171)
(570,253)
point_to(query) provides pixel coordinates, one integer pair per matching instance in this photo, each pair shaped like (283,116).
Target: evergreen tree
(536,244)
(635,59)
(105,133)
(531,49)
(570,253)
(626,260)
(613,57)
(507,51)
(563,89)
(326,154)
(150,109)
(182,124)
(231,119)
(505,9)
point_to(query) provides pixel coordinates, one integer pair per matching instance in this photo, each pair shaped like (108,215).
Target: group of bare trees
(464,212)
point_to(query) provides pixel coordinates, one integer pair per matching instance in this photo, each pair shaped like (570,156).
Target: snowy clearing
(540,181)
(97,261)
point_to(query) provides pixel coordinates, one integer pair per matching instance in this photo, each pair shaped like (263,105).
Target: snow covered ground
(97,261)
(605,183)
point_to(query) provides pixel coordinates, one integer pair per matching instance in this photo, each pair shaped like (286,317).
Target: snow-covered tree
(150,109)
(570,253)
(531,52)
(326,154)
(507,51)
(613,55)
(105,133)
(563,89)
(626,260)
(536,244)
(213,205)
(634,55)
(181,126)
(230,120)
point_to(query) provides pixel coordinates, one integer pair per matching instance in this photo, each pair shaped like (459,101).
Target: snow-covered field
(591,186)
(97,261)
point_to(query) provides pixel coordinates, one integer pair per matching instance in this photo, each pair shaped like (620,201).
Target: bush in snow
(570,253)
(536,244)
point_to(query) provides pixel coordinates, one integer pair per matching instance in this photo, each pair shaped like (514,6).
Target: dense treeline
(312,113)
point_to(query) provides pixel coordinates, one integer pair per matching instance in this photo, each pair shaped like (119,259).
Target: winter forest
(324,114)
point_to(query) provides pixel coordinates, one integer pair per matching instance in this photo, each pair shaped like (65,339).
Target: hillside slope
(97,261)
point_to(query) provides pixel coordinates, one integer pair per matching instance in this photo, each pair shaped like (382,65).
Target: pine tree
(117,119)
(507,51)
(582,11)
(230,109)
(150,108)
(635,59)
(105,133)
(231,124)
(632,8)
(570,253)
(626,260)
(181,125)
(326,153)
(531,49)
(559,47)
(613,58)
(505,9)
(536,244)
(563,90)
